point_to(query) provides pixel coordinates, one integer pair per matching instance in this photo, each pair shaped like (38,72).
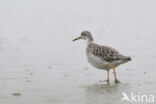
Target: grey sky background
(39,60)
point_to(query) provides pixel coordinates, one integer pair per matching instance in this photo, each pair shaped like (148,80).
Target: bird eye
(83,34)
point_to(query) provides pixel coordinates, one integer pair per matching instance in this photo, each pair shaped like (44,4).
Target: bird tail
(127,58)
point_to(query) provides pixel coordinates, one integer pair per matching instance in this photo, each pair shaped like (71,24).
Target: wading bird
(102,57)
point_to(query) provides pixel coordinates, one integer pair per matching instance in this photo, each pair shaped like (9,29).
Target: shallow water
(39,63)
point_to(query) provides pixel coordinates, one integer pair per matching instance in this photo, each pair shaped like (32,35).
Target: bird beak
(77,38)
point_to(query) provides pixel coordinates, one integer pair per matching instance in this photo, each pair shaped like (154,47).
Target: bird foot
(107,81)
(117,81)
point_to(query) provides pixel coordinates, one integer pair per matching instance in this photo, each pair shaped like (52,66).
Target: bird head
(85,35)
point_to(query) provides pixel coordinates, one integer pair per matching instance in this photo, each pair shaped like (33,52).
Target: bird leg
(111,66)
(107,76)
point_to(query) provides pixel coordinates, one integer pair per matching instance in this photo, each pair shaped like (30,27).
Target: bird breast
(97,61)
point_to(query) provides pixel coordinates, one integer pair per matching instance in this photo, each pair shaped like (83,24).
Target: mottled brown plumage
(106,53)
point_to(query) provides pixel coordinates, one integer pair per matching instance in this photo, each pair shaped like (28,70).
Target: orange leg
(107,76)
(111,66)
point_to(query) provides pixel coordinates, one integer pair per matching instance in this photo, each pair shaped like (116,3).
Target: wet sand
(68,78)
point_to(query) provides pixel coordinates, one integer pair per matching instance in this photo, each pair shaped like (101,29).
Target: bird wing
(106,53)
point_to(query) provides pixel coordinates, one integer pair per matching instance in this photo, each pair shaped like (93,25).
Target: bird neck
(90,41)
